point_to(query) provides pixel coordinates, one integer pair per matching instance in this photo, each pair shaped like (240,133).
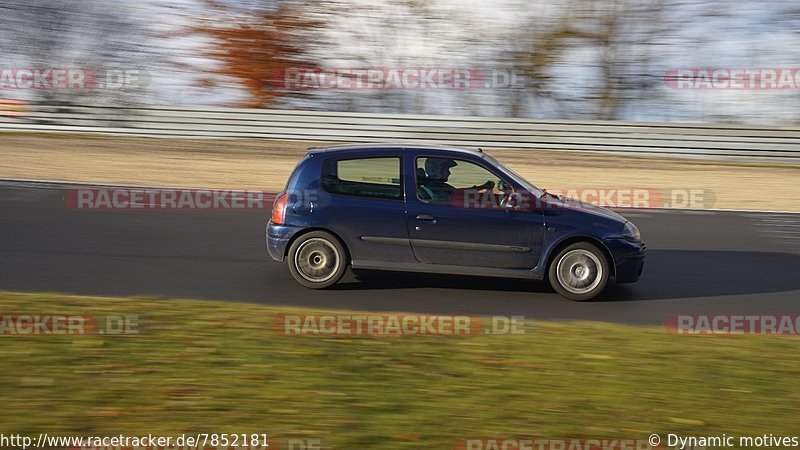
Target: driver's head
(439,168)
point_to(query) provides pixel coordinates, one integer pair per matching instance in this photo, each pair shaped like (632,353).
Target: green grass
(202,366)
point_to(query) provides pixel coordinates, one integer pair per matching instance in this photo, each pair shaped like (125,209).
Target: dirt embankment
(265,165)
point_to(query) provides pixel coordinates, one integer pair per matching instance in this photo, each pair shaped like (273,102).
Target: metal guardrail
(705,141)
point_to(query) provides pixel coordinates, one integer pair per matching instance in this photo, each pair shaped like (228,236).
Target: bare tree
(596,58)
(74,33)
(254,45)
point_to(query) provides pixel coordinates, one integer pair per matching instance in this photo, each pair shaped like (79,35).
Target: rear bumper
(628,259)
(277,238)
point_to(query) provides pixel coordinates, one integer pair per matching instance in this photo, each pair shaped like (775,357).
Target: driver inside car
(438,173)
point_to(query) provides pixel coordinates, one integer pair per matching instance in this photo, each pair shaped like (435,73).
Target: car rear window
(363,177)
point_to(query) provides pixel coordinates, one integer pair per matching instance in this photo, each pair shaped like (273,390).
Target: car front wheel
(579,272)
(317,260)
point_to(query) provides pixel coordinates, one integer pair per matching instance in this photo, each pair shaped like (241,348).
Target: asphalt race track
(697,263)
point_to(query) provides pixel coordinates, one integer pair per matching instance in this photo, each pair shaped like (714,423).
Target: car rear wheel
(579,272)
(317,260)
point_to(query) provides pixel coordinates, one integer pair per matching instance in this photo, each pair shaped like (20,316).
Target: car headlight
(631,233)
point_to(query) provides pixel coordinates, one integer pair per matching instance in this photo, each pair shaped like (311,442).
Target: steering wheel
(501,185)
(504,188)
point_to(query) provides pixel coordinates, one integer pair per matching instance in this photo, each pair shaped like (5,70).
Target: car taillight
(279,209)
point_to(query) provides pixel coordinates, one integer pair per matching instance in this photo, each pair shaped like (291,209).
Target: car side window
(363,177)
(445,180)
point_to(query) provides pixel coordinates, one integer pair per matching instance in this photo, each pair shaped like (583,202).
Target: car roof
(355,148)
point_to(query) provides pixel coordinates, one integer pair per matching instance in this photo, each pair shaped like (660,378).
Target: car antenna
(480,150)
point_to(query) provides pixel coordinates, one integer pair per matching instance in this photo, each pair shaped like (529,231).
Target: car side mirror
(524,200)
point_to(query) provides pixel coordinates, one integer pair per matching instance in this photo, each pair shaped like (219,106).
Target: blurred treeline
(570,59)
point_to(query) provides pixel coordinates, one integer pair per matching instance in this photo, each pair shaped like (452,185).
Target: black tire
(317,260)
(579,272)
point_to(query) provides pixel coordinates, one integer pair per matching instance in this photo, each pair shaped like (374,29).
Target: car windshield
(515,176)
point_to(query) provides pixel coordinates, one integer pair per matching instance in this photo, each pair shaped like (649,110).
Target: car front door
(455,214)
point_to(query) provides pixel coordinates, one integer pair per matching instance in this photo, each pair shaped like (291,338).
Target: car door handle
(426,218)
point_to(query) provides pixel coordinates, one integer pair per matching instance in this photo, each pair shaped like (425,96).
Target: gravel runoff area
(266,164)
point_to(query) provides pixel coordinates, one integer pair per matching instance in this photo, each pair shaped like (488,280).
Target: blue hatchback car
(442,210)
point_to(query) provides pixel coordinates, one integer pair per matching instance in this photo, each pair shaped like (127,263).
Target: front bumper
(628,259)
(277,238)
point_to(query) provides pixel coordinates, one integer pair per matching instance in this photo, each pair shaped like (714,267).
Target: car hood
(576,205)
